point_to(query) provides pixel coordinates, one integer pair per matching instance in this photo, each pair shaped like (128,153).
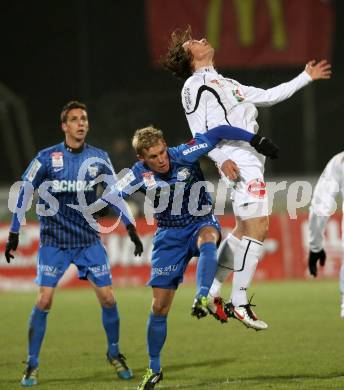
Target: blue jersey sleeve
(36,171)
(121,190)
(193,150)
(216,134)
(32,178)
(204,143)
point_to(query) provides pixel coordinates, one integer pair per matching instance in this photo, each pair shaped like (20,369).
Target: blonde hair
(145,138)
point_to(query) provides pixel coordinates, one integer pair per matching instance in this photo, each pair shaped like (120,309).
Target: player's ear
(139,157)
(63,127)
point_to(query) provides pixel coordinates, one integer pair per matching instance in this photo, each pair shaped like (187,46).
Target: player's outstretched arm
(318,70)
(263,145)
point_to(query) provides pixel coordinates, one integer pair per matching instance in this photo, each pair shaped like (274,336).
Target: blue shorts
(92,263)
(173,248)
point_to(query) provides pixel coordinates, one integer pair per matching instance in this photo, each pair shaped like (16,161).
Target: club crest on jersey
(238,95)
(92,171)
(149,179)
(257,188)
(183,174)
(57,160)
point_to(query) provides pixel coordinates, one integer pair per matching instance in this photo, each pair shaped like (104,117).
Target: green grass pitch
(302,349)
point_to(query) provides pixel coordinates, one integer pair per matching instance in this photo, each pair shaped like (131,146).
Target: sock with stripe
(246,259)
(225,263)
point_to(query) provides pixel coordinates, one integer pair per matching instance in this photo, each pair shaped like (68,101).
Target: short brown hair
(177,59)
(71,106)
(145,138)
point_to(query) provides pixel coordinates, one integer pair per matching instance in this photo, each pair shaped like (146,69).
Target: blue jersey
(57,168)
(181,193)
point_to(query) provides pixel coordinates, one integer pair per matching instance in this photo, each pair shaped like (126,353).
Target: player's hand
(135,239)
(265,146)
(320,70)
(12,245)
(230,170)
(313,259)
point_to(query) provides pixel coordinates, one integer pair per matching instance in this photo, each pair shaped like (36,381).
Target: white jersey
(210,100)
(323,205)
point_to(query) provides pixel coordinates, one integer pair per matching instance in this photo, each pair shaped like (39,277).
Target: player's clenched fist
(12,245)
(135,239)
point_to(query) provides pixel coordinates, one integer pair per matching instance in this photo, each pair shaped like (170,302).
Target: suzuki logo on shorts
(257,188)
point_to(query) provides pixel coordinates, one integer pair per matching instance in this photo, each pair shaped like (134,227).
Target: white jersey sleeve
(323,204)
(195,107)
(268,97)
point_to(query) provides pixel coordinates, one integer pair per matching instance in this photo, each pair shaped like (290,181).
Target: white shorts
(249,194)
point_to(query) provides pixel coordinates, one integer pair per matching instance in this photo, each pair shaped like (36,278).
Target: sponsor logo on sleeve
(187,98)
(194,148)
(33,170)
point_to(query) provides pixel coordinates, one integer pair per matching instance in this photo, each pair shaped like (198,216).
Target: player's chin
(81,135)
(163,169)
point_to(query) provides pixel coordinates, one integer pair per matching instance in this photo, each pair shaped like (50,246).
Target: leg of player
(246,258)
(206,269)
(110,319)
(225,265)
(341,286)
(37,327)
(156,335)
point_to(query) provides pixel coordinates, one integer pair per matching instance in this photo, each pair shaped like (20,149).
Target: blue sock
(206,268)
(37,326)
(110,318)
(156,336)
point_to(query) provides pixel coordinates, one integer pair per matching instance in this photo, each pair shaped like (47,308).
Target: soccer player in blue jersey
(65,236)
(173,180)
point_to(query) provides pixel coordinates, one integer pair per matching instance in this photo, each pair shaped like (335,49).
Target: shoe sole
(249,326)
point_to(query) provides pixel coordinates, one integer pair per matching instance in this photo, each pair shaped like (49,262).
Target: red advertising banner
(285,254)
(248,33)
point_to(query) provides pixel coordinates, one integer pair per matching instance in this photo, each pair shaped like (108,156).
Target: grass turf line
(302,349)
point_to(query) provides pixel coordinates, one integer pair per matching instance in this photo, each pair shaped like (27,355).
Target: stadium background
(103,53)
(107,55)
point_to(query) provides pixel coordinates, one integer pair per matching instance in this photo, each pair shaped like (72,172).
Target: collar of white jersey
(205,69)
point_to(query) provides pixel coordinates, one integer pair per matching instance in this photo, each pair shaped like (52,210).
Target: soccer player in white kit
(323,205)
(209,99)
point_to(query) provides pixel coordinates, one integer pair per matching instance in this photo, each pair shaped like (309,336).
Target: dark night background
(97,52)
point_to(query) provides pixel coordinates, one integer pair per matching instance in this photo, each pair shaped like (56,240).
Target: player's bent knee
(107,300)
(44,302)
(208,235)
(160,308)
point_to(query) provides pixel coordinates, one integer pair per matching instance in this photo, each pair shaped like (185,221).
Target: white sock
(225,263)
(246,259)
